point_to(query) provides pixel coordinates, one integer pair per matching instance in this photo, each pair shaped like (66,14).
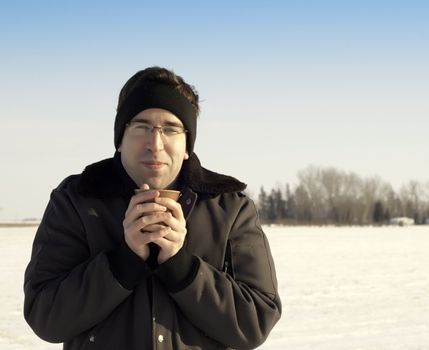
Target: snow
(351,288)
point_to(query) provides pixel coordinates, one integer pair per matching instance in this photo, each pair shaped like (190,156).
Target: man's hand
(170,241)
(143,222)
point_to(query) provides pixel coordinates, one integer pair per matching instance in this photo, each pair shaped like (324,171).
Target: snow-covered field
(351,288)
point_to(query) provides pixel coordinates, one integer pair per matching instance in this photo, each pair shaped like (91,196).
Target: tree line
(332,196)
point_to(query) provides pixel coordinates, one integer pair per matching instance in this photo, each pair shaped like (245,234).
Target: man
(116,268)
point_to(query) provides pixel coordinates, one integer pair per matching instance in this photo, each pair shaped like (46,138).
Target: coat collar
(108,178)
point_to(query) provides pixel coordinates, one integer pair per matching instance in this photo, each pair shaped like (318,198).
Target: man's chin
(156,184)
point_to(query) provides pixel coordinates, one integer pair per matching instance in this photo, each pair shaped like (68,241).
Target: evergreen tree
(263,204)
(290,203)
(272,214)
(379,213)
(279,204)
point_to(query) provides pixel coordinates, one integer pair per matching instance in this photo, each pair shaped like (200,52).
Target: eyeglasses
(142,129)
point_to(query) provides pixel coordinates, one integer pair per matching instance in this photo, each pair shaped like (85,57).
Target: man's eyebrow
(140,121)
(173,124)
(169,123)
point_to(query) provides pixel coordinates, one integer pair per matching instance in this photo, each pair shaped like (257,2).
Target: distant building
(427,221)
(401,221)
(27,222)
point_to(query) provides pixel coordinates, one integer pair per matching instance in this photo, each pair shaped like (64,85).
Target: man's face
(153,159)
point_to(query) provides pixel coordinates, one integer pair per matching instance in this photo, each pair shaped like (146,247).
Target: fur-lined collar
(108,178)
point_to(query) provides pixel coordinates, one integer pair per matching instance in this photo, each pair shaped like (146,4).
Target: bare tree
(310,184)
(411,195)
(330,195)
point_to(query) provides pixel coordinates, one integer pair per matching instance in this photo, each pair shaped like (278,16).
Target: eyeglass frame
(159,128)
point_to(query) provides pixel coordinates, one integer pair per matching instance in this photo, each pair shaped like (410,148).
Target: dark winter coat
(86,288)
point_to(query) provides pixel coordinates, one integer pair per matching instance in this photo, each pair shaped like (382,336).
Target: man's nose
(155,142)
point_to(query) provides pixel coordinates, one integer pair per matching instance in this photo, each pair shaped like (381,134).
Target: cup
(162,193)
(174,195)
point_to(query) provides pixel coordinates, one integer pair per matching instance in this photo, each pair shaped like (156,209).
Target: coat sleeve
(65,288)
(243,308)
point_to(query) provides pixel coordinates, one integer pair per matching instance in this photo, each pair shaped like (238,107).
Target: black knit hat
(157,95)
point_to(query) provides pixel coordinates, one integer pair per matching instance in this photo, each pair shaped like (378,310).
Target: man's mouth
(153,164)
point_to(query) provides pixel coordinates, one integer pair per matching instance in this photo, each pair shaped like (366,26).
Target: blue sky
(283,84)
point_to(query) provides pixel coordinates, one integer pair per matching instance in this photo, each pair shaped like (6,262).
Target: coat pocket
(228,266)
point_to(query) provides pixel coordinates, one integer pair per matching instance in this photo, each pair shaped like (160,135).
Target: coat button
(188,201)
(92,338)
(160,338)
